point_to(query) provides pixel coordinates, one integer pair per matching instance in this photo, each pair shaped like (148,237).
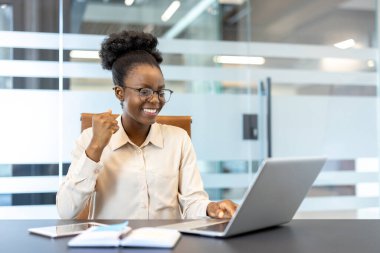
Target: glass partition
(324,97)
(233,64)
(29,77)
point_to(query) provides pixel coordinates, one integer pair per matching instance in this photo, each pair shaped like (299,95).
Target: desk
(306,236)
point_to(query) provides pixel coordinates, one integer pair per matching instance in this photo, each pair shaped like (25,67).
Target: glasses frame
(154,91)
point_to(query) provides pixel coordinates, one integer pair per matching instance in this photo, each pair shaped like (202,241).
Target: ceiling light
(236,2)
(84,54)
(4,6)
(345,44)
(239,60)
(370,63)
(129,2)
(186,20)
(340,64)
(173,7)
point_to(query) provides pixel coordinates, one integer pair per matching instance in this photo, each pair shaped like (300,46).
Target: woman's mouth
(150,111)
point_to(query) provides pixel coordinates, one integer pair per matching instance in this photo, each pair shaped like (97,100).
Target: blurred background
(274,78)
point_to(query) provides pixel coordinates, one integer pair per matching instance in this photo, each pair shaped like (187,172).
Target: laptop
(272,199)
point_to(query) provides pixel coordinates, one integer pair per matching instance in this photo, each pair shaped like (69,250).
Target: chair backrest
(179,121)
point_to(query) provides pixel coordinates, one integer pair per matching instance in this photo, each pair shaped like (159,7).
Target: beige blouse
(158,180)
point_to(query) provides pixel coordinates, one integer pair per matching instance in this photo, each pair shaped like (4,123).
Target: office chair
(183,122)
(86,122)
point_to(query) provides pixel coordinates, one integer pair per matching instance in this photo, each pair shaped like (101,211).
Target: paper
(151,237)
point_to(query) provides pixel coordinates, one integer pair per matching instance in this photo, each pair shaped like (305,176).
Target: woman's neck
(136,132)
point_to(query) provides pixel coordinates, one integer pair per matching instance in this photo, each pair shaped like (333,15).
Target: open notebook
(120,235)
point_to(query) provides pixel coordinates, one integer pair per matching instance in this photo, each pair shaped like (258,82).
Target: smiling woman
(131,166)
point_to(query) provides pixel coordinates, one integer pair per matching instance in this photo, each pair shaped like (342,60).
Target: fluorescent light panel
(345,44)
(173,7)
(129,2)
(236,2)
(84,54)
(188,18)
(371,63)
(250,60)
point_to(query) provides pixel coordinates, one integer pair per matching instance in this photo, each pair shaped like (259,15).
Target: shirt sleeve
(192,196)
(80,181)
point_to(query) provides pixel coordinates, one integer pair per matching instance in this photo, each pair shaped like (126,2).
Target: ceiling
(286,21)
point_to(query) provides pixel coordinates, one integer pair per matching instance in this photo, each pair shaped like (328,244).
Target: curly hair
(123,51)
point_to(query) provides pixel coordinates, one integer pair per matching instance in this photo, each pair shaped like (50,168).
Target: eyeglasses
(147,93)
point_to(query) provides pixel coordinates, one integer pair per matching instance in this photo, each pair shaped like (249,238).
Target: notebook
(272,199)
(120,235)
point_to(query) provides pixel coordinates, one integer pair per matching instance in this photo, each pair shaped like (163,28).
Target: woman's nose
(154,98)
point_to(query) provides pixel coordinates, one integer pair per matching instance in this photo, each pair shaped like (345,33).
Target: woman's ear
(119,92)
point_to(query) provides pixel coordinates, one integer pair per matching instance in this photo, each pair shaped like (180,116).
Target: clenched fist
(104,125)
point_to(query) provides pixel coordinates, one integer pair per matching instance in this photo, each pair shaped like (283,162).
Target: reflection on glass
(322,104)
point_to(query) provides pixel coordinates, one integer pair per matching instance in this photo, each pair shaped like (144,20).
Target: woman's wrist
(94,151)
(209,208)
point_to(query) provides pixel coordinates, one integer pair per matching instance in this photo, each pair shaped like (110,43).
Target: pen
(124,233)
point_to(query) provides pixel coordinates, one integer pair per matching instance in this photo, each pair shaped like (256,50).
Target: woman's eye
(145,92)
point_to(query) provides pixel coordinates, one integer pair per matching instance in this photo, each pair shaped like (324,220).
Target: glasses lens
(165,95)
(146,92)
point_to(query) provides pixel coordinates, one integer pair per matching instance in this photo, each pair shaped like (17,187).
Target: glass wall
(324,96)
(229,62)
(29,160)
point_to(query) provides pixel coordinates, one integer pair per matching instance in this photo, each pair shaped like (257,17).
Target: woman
(138,169)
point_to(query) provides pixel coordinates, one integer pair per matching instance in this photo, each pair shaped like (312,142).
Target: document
(121,235)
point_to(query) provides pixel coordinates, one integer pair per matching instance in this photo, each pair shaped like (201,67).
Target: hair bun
(119,44)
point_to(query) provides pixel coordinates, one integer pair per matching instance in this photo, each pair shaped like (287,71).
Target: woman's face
(135,107)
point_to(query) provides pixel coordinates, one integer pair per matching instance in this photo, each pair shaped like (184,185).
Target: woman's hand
(221,209)
(104,125)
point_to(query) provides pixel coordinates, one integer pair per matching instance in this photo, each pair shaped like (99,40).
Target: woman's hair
(121,52)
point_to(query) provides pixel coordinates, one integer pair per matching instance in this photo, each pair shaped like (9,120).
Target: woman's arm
(80,181)
(192,196)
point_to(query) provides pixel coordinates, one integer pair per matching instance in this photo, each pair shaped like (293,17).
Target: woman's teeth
(150,110)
